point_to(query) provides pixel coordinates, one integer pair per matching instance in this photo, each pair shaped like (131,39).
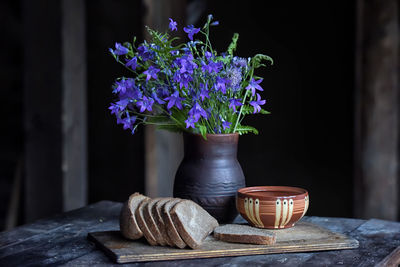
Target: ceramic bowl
(272,207)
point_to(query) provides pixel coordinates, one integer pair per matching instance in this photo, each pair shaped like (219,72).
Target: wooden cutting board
(303,237)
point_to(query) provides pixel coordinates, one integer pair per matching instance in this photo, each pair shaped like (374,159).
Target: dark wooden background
(329,104)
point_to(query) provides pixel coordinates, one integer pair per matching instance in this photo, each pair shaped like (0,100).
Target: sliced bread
(142,223)
(127,221)
(156,211)
(193,222)
(169,224)
(151,223)
(240,233)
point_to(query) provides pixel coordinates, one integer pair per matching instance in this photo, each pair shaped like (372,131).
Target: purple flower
(197,111)
(145,53)
(122,103)
(119,50)
(172,25)
(190,122)
(145,103)
(191,30)
(132,63)
(208,55)
(182,78)
(114,108)
(215,23)
(212,67)
(128,122)
(256,104)
(157,99)
(174,100)
(151,73)
(254,85)
(233,103)
(220,84)
(226,124)
(204,93)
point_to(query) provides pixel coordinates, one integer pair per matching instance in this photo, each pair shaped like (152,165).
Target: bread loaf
(166,221)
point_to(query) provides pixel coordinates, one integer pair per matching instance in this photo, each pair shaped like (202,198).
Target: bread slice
(170,227)
(193,222)
(151,223)
(127,221)
(241,233)
(156,211)
(142,223)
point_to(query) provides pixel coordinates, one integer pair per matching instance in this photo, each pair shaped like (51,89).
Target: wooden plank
(377,239)
(304,237)
(377,112)
(64,242)
(74,104)
(42,108)
(89,213)
(393,259)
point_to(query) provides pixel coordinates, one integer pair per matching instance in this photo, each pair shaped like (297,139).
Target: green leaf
(233,44)
(243,129)
(203,131)
(263,111)
(247,110)
(259,58)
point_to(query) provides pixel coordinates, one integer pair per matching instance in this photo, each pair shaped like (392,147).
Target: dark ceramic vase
(210,174)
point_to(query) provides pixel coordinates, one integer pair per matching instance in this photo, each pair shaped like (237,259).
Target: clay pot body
(272,207)
(210,174)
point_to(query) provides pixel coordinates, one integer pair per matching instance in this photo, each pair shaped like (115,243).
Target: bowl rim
(295,192)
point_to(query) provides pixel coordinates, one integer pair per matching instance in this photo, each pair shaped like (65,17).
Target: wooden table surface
(61,240)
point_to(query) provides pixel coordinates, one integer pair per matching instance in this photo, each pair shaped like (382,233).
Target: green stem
(241,109)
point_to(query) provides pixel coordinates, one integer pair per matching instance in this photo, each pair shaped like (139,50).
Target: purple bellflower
(174,100)
(197,112)
(254,85)
(190,122)
(145,103)
(172,25)
(132,63)
(191,30)
(151,73)
(233,103)
(128,121)
(226,124)
(119,50)
(256,104)
(220,84)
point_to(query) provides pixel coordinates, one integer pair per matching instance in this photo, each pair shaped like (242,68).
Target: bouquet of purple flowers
(188,86)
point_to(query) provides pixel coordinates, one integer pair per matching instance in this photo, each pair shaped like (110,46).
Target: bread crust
(171,229)
(127,221)
(142,223)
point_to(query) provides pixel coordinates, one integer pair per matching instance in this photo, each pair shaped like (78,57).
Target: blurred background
(333,94)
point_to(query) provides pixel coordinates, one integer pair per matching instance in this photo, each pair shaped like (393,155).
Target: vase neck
(216,145)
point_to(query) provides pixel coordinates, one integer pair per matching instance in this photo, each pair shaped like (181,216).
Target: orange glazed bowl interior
(272,207)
